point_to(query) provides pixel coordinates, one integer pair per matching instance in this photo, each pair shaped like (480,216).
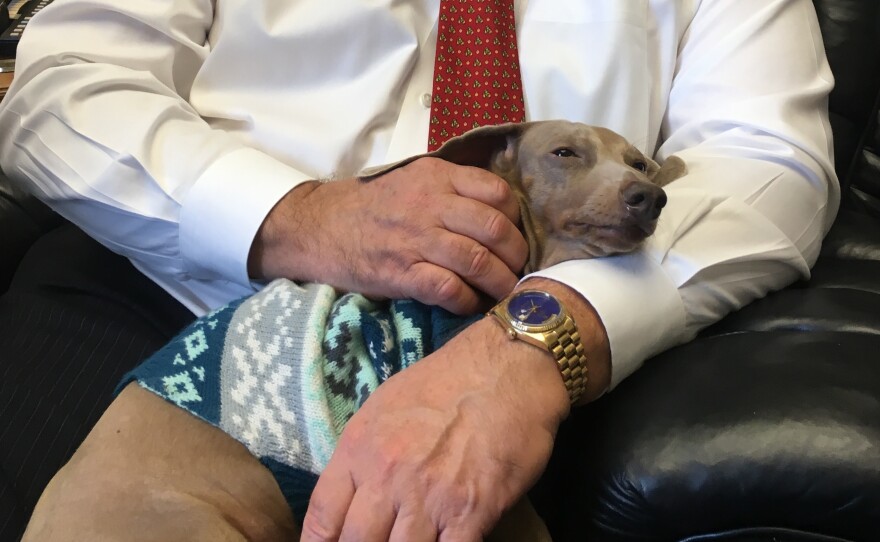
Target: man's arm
(440,450)
(97,123)
(100,126)
(431,231)
(748,113)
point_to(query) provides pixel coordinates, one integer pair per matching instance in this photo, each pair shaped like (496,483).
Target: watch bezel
(550,324)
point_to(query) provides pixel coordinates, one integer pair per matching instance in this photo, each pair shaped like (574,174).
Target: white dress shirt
(168,129)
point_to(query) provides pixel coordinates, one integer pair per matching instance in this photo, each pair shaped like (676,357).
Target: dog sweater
(283,371)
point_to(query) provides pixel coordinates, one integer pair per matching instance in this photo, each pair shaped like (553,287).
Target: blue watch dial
(534,308)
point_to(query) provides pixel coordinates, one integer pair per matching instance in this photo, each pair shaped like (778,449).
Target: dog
(583,191)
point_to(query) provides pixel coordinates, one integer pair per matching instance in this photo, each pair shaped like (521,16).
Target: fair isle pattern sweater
(283,371)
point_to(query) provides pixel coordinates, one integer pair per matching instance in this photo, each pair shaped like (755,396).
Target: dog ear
(478,148)
(633,155)
(673,168)
(653,167)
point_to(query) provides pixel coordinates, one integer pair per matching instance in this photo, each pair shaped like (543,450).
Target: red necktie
(476,70)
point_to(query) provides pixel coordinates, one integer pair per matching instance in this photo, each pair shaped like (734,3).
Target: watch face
(531,308)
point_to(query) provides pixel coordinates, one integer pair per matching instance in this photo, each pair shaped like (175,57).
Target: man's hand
(441,449)
(431,231)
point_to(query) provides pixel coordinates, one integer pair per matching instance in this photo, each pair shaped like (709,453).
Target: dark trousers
(75,318)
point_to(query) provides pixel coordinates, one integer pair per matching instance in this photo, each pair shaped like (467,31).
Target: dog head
(584,191)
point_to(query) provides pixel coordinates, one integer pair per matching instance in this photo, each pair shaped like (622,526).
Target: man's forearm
(532,373)
(431,231)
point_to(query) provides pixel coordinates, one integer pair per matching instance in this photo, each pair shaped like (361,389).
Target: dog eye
(641,166)
(564,152)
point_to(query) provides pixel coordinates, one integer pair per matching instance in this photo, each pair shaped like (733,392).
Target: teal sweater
(284,370)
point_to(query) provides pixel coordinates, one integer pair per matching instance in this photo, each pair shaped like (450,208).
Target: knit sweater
(283,371)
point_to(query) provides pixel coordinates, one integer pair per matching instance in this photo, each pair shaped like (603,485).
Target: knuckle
(386,268)
(500,190)
(458,500)
(315,526)
(469,525)
(459,504)
(387,461)
(447,289)
(439,286)
(496,226)
(420,283)
(393,263)
(351,439)
(480,261)
(312,530)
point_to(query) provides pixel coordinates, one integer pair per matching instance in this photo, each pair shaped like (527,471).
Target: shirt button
(426,99)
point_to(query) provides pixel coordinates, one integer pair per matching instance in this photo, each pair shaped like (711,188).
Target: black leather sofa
(765,428)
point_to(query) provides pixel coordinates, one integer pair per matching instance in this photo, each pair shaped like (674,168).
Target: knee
(81,503)
(150,471)
(62,512)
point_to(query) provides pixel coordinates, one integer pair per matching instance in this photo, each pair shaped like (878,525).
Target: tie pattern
(476,71)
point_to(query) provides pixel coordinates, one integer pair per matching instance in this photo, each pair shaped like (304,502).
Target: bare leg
(150,471)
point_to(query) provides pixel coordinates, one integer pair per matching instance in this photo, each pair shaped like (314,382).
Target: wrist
(281,234)
(592,333)
(525,374)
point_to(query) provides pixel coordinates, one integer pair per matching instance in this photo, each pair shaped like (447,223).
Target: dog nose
(643,200)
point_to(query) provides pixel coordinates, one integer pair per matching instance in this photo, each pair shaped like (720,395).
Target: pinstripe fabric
(74,320)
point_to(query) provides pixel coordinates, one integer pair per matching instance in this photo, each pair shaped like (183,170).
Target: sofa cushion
(756,432)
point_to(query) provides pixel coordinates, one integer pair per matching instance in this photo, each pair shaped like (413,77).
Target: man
(185,135)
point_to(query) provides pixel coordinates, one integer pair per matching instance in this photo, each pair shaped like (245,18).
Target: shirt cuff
(225,208)
(638,304)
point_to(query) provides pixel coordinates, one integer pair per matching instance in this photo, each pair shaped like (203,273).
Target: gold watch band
(566,346)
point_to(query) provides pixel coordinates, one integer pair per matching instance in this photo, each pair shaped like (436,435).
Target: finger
(413,526)
(461,533)
(471,261)
(435,285)
(328,506)
(488,227)
(369,519)
(485,186)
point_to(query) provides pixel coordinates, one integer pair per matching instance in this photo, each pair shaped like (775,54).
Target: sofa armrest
(756,436)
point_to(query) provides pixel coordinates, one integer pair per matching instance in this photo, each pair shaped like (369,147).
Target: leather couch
(765,428)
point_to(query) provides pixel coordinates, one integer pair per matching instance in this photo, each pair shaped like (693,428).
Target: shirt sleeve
(97,122)
(748,114)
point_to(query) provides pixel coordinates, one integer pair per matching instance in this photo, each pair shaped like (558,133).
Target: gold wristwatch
(538,318)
